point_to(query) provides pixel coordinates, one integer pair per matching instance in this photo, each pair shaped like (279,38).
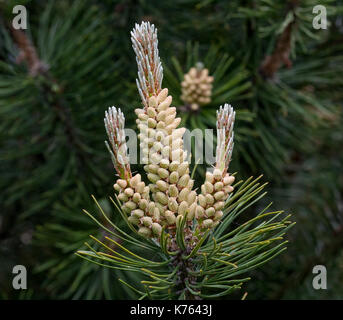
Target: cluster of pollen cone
(197,87)
(170,196)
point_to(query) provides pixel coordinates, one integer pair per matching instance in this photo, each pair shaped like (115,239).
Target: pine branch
(52,97)
(28,53)
(174,220)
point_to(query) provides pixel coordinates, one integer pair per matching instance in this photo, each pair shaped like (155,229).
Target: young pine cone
(197,87)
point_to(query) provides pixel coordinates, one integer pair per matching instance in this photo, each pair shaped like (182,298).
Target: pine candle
(170,196)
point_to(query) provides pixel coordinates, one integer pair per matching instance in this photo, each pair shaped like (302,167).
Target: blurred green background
(57,78)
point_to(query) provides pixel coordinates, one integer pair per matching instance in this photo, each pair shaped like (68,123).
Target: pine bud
(191,198)
(173,191)
(183,181)
(147,221)
(177,144)
(160,125)
(151,208)
(228,180)
(169,119)
(207,223)
(218,186)
(153,102)
(156,228)
(135,180)
(143,204)
(143,128)
(202,200)
(161,116)
(151,112)
(197,86)
(140,187)
(162,185)
(208,187)
(170,111)
(182,208)
(218,215)
(209,199)
(153,177)
(219,195)
(217,174)
(161,198)
(178,133)
(143,117)
(174,124)
(199,212)
(122,183)
(157,214)
(177,155)
(163,173)
(153,187)
(129,192)
(138,213)
(219,205)
(136,197)
(228,189)
(125,209)
(162,95)
(146,190)
(157,146)
(123,197)
(183,168)
(117,187)
(159,136)
(144,231)
(190,184)
(152,123)
(172,205)
(164,163)
(133,220)
(165,104)
(191,212)
(183,194)
(139,111)
(170,217)
(174,177)
(209,177)
(166,152)
(155,158)
(160,207)
(174,166)
(210,212)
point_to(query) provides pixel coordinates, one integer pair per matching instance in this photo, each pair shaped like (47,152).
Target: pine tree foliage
(320,240)
(282,75)
(52,86)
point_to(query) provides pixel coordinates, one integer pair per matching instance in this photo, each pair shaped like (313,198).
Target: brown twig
(28,53)
(272,63)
